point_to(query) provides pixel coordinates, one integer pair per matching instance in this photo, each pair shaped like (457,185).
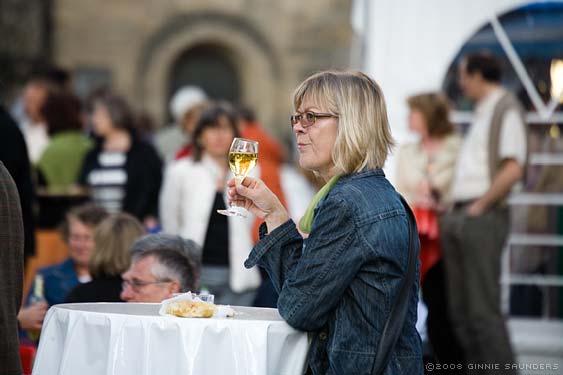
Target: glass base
(231,212)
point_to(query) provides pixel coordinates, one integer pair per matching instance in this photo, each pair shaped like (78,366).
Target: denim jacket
(339,284)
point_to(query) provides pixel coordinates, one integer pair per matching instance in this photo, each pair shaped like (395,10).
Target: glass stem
(238,181)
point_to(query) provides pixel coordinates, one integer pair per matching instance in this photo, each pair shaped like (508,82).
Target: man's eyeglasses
(308,118)
(137,285)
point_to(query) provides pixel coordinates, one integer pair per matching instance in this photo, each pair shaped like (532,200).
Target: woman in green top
(60,163)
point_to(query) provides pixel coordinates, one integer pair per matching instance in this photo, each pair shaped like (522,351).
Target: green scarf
(307,219)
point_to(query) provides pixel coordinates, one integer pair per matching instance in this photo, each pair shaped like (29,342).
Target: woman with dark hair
(122,173)
(60,163)
(193,191)
(61,160)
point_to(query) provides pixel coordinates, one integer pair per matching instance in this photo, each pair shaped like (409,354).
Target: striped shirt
(107,181)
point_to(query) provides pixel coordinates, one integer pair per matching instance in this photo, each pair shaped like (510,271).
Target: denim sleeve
(277,252)
(311,279)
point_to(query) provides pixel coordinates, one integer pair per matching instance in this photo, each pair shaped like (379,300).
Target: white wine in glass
(243,156)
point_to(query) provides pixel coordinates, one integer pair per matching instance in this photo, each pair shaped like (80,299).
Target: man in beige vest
(491,163)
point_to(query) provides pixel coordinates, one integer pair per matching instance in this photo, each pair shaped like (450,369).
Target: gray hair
(177,258)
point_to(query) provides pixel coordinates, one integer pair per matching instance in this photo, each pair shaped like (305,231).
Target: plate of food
(189,305)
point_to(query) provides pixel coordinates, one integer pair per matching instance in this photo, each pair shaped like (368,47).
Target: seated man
(58,280)
(161,265)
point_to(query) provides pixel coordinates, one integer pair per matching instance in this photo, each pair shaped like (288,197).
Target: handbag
(429,236)
(396,319)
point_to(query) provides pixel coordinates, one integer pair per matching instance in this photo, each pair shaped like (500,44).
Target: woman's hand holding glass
(243,156)
(255,197)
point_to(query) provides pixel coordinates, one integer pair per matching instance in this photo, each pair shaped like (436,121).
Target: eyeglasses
(308,118)
(82,238)
(137,285)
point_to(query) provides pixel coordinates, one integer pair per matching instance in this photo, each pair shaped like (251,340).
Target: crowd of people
(458,190)
(92,170)
(341,263)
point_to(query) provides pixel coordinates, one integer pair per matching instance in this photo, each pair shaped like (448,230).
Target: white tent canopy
(409,45)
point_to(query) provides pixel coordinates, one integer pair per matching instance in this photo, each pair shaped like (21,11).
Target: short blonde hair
(364,138)
(113,237)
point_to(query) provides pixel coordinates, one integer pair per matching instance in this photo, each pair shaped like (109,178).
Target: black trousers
(445,345)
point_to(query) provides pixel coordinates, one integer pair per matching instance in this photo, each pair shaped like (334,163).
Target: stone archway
(210,67)
(254,59)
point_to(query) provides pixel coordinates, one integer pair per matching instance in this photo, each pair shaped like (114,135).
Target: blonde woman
(347,281)
(110,259)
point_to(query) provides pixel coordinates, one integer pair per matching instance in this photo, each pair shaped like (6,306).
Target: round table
(131,338)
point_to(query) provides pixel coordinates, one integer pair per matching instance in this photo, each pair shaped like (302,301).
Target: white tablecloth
(123,339)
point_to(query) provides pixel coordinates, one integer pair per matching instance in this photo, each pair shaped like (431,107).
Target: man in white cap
(185,107)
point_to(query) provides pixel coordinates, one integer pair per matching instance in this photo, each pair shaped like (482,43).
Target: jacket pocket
(345,362)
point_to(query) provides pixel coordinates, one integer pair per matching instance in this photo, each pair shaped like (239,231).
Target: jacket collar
(362,174)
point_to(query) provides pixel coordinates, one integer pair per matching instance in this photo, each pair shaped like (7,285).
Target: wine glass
(243,156)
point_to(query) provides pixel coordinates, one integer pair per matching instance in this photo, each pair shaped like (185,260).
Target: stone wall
(273,44)
(25,41)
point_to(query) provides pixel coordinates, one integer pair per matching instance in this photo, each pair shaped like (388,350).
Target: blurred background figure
(193,190)
(111,257)
(122,173)
(175,141)
(59,165)
(11,272)
(161,265)
(491,163)
(13,153)
(189,248)
(145,126)
(42,82)
(33,125)
(89,105)
(78,232)
(52,284)
(425,171)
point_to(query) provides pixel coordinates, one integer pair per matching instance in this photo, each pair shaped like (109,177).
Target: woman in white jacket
(193,190)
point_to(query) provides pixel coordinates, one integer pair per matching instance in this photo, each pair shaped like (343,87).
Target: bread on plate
(191,309)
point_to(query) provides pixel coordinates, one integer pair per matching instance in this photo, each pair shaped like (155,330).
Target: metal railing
(547,241)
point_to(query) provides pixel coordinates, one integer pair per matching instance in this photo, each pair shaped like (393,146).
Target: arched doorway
(209,67)
(236,43)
